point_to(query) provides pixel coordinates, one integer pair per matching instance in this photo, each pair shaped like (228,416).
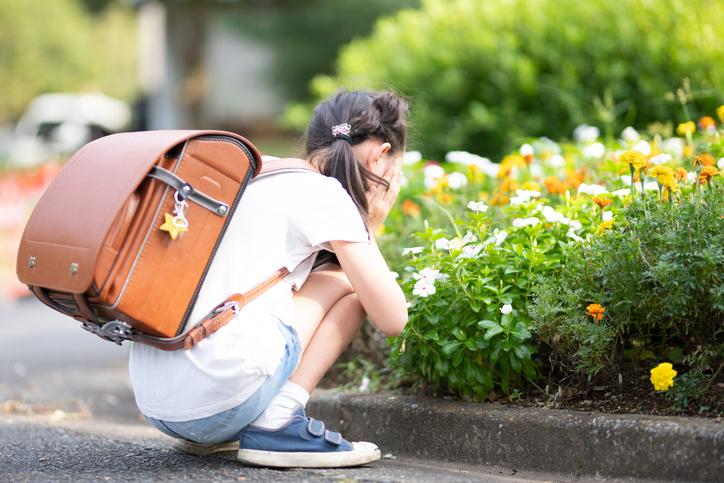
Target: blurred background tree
(63,46)
(484,75)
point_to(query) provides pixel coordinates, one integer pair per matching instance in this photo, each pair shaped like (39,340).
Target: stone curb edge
(566,442)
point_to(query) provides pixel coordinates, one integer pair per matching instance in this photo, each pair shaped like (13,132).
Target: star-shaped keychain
(172,226)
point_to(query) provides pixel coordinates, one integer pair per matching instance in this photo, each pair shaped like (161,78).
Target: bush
(483,74)
(660,280)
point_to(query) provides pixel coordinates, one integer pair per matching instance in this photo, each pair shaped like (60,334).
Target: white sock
(280,409)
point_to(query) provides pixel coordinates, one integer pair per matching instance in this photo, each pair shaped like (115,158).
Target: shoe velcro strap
(333,437)
(315,427)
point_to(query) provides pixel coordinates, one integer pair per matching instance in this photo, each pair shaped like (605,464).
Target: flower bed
(476,242)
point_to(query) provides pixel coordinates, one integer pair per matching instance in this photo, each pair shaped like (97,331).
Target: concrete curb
(571,443)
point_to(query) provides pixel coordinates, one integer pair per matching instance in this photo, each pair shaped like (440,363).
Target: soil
(633,395)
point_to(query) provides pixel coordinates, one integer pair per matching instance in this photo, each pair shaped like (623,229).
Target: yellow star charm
(171,227)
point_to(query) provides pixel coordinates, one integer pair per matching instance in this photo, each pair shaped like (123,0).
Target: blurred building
(196,71)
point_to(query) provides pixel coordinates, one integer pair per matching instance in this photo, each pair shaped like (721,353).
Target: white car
(59,124)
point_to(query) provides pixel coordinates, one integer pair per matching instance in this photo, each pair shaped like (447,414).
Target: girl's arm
(367,271)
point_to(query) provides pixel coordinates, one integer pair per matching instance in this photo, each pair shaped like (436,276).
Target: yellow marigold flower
(661,170)
(410,208)
(662,376)
(596,311)
(681,174)
(708,172)
(531,186)
(634,158)
(668,182)
(575,178)
(508,163)
(688,150)
(606,225)
(444,198)
(720,112)
(601,201)
(704,159)
(686,128)
(508,185)
(474,173)
(707,122)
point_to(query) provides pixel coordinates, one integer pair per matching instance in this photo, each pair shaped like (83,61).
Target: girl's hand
(380,200)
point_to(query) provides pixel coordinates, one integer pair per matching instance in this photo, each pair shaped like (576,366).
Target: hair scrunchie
(342,131)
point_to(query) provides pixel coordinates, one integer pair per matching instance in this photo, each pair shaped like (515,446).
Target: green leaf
(522,352)
(457,358)
(492,332)
(451,346)
(488,324)
(459,334)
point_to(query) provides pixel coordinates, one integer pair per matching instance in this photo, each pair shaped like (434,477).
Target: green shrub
(483,74)
(660,279)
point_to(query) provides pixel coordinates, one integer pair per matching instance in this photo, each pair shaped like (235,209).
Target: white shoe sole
(362,453)
(200,449)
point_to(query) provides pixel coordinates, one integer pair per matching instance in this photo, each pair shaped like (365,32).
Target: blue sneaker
(302,443)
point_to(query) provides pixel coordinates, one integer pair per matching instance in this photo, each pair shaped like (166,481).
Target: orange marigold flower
(509,185)
(575,178)
(601,201)
(508,163)
(707,122)
(499,199)
(596,311)
(704,159)
(444,198)
(554,185)
(410,208)
(681,174)
(708,172)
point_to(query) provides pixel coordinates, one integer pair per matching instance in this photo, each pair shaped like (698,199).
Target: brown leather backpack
(123,237)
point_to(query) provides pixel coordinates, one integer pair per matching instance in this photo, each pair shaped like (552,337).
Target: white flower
(364,385)
(552,215)
(630,134)
(468,159)
(556,161)
(546,147)
(433,170)
(607,216)
(523,222)
(626,180)
(455,244)
(651,186)
(429,274)
(412,251)
(423,288)
(592,189)
(499,236)
(457,180)
(622,193)
(575,225)
(662,158)
(526,150)
(691,176)
(673,146)
(523,196)
(478,206)
(507,308)
(594,151)
(720,163)
(572,234)
(536,170)
(412,157)
(469,238)
(442,244)
(469,251)
(586,134)
(642,147)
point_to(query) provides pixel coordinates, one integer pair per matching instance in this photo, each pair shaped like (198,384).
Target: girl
(246,385)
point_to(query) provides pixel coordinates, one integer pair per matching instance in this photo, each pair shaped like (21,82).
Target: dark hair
(370,115)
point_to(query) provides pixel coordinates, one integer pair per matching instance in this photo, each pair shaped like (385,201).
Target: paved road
(67,414)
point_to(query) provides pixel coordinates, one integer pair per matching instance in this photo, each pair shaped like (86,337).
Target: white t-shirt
(281,221)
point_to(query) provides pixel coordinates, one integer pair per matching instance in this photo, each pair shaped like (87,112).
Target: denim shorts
(226,425)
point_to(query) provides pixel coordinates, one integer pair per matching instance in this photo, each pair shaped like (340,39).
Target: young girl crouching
(246,385)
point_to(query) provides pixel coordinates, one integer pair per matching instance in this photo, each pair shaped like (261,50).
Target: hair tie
(341,131)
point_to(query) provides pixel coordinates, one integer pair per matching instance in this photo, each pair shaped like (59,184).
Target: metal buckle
(234,306)
(114,331)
